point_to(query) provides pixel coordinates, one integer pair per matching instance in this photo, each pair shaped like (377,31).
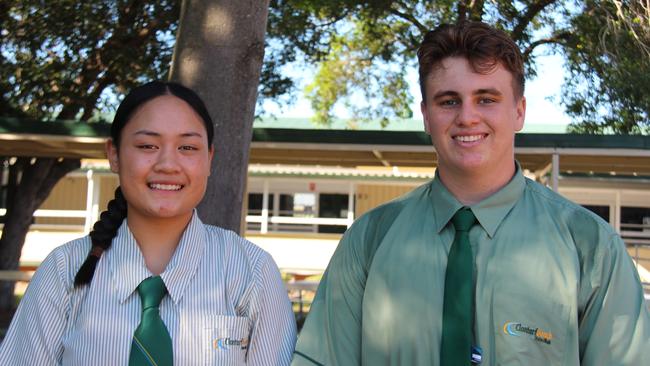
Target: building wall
(107,190)
(71,192)
(68,194)
(369,196)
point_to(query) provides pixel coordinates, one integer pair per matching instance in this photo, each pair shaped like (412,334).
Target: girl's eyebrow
(191,134)
(156,134)
(146,133)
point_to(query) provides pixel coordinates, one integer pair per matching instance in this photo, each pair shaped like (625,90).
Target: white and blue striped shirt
(227,305)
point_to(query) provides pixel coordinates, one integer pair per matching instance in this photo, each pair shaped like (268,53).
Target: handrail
(15,276)
(54,213)
(299,220)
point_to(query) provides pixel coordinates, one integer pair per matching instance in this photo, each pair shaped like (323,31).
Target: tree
(610,53)
(219,53)
(65,60)
(362,49)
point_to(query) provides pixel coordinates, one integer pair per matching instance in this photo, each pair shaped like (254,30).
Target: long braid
(102,236)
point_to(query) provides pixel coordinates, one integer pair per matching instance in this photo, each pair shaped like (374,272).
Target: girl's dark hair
(110,220)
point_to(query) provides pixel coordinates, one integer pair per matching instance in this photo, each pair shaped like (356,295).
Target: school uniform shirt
(226,305)
(554,285)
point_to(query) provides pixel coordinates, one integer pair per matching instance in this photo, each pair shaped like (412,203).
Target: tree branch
(409,18)
(476,9)
(334,20)
(556,39)
(462,11)
(527,17)
(91,100)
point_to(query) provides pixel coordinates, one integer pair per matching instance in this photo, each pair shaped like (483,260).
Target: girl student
(152,284)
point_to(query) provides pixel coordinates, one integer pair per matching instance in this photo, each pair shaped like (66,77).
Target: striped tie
(151,344)
(458,312)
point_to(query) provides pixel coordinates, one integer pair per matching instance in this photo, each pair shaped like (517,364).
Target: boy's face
(472,118)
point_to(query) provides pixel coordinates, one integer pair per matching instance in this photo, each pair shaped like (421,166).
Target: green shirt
(554,285)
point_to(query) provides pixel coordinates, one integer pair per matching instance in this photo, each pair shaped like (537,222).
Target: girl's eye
(146,147)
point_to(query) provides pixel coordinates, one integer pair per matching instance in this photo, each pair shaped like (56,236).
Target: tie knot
(464,219)
(151,291)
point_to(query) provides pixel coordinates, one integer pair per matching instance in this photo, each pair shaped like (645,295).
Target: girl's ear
(111,154)
(210,160)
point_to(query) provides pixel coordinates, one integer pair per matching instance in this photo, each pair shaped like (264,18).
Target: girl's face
(163,160)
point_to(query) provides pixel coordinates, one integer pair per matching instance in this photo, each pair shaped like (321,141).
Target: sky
(540,93)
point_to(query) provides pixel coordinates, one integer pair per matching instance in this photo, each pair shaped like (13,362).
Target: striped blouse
(227,305)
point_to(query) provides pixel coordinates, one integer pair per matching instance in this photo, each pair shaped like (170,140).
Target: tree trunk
(219,53)
(34,180)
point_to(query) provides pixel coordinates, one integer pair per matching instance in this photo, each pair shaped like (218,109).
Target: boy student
(481,265)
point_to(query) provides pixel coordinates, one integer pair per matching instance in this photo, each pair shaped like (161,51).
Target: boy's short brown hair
(482,45)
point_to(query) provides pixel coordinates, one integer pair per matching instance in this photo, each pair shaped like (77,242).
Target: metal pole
(90,189)
(351,204)
(555,172)
(265,208)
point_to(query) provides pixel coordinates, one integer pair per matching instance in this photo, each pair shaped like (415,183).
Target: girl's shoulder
(67,258)
(237,249)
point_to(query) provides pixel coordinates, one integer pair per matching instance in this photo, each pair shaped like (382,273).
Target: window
(255,201)
(602,211)
(333,206)
(4,182)
(304,205)
(286,205)
(635,219)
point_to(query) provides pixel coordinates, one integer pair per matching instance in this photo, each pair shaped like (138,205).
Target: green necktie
(151,344)
(458,313)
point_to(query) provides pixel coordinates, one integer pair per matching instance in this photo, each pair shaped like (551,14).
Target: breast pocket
(228,338)
(530,330)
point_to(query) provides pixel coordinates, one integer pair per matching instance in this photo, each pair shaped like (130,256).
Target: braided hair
(102,236)
(110,220)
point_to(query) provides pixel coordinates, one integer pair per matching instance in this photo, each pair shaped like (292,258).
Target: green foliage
(610,54)
(59,58)
(69,59)
(362,49)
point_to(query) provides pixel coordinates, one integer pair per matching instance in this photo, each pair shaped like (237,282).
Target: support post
(351,205)
(265,208)
(555,172)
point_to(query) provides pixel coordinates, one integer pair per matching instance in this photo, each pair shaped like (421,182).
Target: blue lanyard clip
(477,355)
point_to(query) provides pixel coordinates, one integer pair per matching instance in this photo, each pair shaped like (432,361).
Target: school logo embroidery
(229,343)
(517,330)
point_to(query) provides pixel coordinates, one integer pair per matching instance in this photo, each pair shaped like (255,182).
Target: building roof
(590,154)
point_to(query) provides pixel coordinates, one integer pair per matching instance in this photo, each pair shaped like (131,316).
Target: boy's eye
(188,148)
(449,102)
(486,101)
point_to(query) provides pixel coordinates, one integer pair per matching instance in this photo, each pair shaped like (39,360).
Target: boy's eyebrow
(445,93)
(451,93)
(492,91)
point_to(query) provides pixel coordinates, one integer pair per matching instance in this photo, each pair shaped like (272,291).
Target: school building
(307,185)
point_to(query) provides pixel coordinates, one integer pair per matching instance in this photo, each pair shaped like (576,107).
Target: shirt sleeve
(331,334)
(614,323)
(35,334)
(273,336)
